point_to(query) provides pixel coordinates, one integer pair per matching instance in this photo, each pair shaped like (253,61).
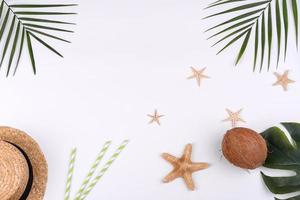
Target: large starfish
(183,167)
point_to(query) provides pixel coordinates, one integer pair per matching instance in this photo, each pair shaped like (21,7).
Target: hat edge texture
(36,156)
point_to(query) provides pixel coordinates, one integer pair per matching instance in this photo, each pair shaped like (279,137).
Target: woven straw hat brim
(14,172)
(25,149)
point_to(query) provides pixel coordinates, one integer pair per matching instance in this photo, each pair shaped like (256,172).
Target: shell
(244,148)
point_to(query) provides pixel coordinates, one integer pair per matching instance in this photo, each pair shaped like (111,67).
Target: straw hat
(23,167)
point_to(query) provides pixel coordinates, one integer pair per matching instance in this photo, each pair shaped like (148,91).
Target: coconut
(244,148)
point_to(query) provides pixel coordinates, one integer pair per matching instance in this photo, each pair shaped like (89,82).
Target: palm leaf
(283,154)
(45,44)
(3,27)
(233,40)
(48,35)
(239,8)
(295,15)
(44,20)
(13,50)
(30,50)
(46,27)
(222,3)
(40,5)
(244,46)
(286,24)
(278,28)
(233,26)
(270,35)
(263,40)
(20,49)
(256,45)
(1,9)
(43,13)
(255,16)
(8,39)
(232,33)
(22,22)
(243,16)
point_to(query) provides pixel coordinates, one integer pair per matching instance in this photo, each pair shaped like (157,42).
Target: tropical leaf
(258,16)
(270,36)
(263,40)
(22,23)
(283,154)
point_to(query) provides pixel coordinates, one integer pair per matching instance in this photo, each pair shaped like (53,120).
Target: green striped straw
(104,169)
(70,173)
(92,169)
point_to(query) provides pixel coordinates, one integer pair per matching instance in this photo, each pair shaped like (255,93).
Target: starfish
(283,80)
(183,167)
(234,117)
(198,75)
(155,117)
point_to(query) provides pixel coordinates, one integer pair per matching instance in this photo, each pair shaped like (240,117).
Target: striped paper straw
(104,169)
(92,169)
(70,173)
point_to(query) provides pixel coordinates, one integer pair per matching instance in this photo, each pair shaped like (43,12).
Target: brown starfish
(283,80)
(155,117)
(198,75)
(234,117)
(183,167)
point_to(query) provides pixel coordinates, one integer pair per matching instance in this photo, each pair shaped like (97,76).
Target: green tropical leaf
(258,15)
(48,35)
(286,24)
(47,27)
(1,9)
(45,44)
(233,33)
(239,8)
(233,40)
(22,22)
(40,5)
(20,49)
(222,2)
(233,26)
(8,39)
(13,50)
(44,20)
(256,45)
(270,35)
(295,15)
(43,13)
(243,47)
(283,154)
(243,16)
(30,50)
(278,28)
(263,40)
(3,27)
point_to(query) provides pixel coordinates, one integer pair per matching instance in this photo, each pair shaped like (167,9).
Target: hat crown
(14,172)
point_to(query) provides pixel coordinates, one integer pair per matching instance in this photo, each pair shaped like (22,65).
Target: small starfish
(283,80)
(183,167)
(155,117)
(198,75)
(234,117)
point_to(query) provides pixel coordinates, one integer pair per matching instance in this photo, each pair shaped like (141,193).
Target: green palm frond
(22,23)
(256,20)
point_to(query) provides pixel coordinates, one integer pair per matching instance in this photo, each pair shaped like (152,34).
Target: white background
(127,58)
